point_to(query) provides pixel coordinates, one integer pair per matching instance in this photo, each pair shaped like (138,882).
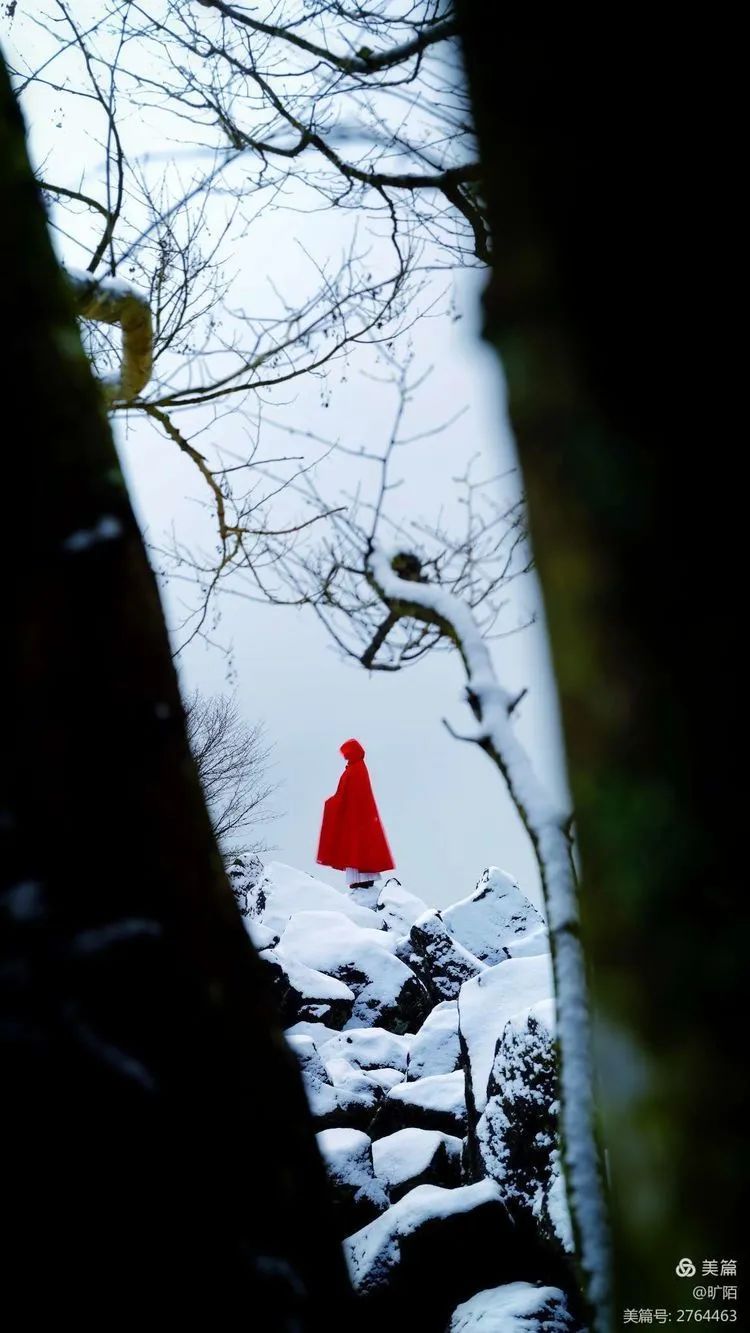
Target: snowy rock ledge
(437,1102)
(358,1195)
(412,1157)
(426,1041)
(512,1309)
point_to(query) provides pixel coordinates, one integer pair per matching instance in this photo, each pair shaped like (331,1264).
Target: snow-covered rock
(304,993)
(437,1102)
(387,993)
(366,895)
(262,936)
(551,1209)
(484,1007)
(332,1107)
(281,891)
(517,1131)
(344,1075)
(438,1115)
(414,1157)
(318,1031)
(358,1195)
(375,1250)
(372,1048)
(430,1251)
(444,963)
(534,941)
(399,908)
(328,939)
(435,1049)
(387,1078)
(243,874)
(493,917)
(404,950)
(517,1307)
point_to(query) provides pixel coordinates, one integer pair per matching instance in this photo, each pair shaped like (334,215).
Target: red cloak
(351,833)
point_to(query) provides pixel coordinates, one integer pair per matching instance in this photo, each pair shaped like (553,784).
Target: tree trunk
(599,177)
(158,1153)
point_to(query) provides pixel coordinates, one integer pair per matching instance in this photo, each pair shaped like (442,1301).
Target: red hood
(352,750)
(352,833)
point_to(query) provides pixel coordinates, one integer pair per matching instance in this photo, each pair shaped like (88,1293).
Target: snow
(319,1033)
(336,1144)
(399,907)
(117,289)
(532,942)
(107,529)
(332,950)
(282,891)
(496,703)
(371,1048)
(114,301)
(344,1075)
(324,1099)
(310,983)
(516,1134)
(493,917)
(448,963)
(559,1214)
(439,1092)
(518,1307)
(261,935)
(486,1003)
(372,1252)
(548,827)
(545,1012)
(329,942)
(307,1053)
(409,1152)
(387,1078)
(367,1078)
(348,1158)
(435,1049)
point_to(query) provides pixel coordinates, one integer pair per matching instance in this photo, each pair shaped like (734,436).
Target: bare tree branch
(364,62)
(231,757)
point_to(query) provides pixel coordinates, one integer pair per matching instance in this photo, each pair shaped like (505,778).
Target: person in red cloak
(352,837)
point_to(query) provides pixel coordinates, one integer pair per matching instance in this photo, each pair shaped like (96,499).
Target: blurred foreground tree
(141,1050)
(606,174)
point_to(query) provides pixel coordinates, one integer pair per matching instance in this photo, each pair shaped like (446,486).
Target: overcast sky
(443,804)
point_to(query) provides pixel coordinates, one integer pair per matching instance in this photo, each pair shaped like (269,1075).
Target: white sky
(443,803)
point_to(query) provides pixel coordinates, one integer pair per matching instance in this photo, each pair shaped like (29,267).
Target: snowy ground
(426,1043)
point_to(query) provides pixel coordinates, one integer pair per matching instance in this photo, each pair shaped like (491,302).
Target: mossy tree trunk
(602,160)
(158,1156)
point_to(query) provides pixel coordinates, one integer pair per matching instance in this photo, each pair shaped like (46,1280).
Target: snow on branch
(549,830)
(113,301)
(491,703)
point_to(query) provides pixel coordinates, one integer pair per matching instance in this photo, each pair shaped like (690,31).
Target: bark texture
(603,161)
(157,1151)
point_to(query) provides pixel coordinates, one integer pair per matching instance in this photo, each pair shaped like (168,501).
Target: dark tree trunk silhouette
(158,1157)
(603,163)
